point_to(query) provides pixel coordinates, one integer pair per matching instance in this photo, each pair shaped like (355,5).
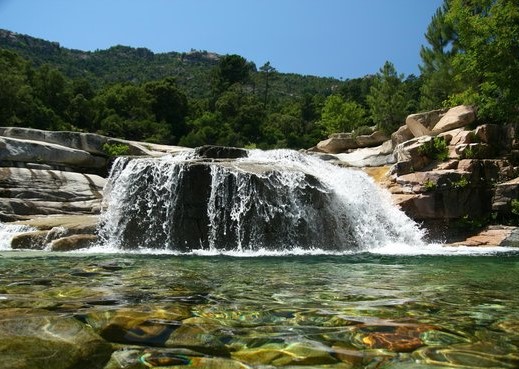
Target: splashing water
(9,231)
(273,202)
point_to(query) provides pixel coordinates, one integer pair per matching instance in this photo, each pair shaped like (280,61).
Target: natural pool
(363,310)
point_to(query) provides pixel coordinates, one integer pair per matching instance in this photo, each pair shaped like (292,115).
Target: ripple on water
(320,312)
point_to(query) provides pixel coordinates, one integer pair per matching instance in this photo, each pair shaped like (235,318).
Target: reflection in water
(352,311)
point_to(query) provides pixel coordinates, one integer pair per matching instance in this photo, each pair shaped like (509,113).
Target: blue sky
(330,38)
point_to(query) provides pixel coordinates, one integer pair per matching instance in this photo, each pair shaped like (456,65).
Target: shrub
(429,185)
(461,183)
(435,149)
(114,149)
(515,207)
(361,131)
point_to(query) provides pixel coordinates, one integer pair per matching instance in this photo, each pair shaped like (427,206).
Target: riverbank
(459,184)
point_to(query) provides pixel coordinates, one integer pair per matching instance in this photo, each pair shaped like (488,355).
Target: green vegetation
(461,183)
(515,207)
(114,149)
(387,100)
(472,58)
(469,153)
(435,149)
(199,98)
(429,185)
(189,99)
(339,115)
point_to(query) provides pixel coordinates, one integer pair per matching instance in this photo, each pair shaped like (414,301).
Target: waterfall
(278,200)
(8,231)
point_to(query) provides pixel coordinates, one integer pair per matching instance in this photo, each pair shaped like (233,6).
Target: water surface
(364,310)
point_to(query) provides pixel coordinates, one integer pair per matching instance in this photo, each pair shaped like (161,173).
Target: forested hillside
(199,98)
(191,70)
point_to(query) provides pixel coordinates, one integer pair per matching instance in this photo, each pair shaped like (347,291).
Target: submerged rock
(298,353)
(49,342)
(201,338)
(397,337)
(168,358)
(74,242)
(136,327)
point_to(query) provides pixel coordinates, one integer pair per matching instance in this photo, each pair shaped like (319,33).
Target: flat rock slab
(493,236)
(83,222)
(29,151)
(88,142)
(27,192)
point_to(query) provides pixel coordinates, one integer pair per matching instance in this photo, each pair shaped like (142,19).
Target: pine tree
(437,70)
(488,66)
(387,99)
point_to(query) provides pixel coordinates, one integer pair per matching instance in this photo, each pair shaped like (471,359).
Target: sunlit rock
(27,192)
(457,117)
(49,342)
(421,124)
(299,353)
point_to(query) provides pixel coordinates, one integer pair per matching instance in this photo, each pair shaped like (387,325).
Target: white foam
(438,249)
(392,249)
(8,231)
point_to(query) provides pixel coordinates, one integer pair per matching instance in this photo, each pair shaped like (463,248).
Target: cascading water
(276,200)
(8,231)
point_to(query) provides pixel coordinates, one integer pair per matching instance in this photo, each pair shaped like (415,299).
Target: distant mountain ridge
(127,64)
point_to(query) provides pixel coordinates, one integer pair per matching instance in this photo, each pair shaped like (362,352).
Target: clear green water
(353,311)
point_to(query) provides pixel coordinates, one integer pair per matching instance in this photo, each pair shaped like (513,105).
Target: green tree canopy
(487,65)
(473,58)
(169,105)
(341,116)
(437,69)
(231,69)
(387,99)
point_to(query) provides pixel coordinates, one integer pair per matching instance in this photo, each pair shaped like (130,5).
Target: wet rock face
(57,233)
(214,205)
(220,152)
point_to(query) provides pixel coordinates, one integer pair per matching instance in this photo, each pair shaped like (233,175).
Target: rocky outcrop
(410,155)
(343,142)
(494,235)
(402,135)
(421,124)
(337,143)
(452,178)
(57,233)
(88,142)
(57,178)
(506,195)
(457,117)
(438,121)
(369,157)
(220,152)
(225,204)
(42,154)
(27,192)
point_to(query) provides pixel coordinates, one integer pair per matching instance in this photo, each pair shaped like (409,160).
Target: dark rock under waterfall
(198,204)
